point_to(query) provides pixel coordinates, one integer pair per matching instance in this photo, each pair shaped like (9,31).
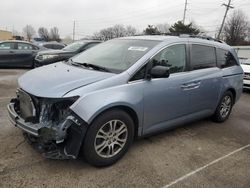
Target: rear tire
(108,138)
(224,107)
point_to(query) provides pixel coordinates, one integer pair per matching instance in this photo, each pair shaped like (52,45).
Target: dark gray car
(53,56)
(17,53)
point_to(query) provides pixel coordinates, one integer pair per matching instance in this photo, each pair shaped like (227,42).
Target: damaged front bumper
(58,142)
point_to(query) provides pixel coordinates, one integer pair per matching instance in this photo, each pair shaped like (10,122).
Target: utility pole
(228,6)
(184,14)
(74,29)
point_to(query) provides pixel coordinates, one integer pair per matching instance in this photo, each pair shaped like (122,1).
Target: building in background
(5,35)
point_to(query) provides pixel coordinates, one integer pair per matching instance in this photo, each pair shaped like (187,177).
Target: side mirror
(160,72)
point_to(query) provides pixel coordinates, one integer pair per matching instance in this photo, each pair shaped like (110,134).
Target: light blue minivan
(99,101)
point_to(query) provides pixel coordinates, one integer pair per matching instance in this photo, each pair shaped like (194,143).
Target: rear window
(24,46)
(202,57)
(225,59)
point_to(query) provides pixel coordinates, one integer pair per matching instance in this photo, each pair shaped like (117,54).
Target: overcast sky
(93,15)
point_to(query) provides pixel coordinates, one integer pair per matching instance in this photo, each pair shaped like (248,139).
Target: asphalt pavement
(200,154)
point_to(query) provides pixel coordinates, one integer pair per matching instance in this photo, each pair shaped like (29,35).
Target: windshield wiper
(96,67)
(88,65)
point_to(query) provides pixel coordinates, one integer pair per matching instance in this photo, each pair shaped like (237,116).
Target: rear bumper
(16,120)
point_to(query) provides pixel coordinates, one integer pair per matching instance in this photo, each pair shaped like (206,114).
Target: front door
(165,99)
(7,54)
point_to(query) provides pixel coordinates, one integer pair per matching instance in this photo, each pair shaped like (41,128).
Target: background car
(246,68)
(17,53)
(52,56)
(52,45)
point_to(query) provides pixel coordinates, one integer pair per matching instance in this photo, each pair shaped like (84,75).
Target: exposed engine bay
(50,125)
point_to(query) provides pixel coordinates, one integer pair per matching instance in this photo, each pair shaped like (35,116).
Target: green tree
(151,30)
(181,28)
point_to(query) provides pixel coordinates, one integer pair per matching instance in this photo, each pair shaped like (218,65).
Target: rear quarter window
(225,58)
(202,57)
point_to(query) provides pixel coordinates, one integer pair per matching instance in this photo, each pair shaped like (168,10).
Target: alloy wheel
(111,138)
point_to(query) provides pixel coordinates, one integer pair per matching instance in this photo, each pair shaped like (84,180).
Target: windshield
(74,46)
(246,62)
(116,55)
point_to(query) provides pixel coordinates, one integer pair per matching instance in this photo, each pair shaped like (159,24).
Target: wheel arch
(232,90)
(131,112)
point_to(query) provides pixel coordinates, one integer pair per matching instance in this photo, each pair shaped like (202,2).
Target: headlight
(43,57)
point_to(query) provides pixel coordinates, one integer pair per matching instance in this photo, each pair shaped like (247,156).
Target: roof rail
(202,37)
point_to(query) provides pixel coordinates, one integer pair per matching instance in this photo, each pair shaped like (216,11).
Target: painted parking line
(205,166)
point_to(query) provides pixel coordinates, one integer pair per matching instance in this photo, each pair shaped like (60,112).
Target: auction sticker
(138,48)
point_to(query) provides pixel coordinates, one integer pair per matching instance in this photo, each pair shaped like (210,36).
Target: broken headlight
(55,110)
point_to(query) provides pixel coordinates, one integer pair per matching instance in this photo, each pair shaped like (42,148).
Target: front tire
(108,138)
(224,108)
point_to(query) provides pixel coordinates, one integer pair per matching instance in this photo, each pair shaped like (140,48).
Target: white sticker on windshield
(138,48)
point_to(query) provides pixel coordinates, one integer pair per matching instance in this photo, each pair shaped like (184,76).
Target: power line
(184,14)
(74,29)
(228,6)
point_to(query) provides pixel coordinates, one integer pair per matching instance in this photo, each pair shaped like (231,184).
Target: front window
(173,57)
(74,46)
(7,46)
(116,55)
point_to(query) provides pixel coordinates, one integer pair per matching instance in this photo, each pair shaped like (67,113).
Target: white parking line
(205,166)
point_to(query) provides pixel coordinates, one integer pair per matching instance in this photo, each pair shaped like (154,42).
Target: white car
(246,68)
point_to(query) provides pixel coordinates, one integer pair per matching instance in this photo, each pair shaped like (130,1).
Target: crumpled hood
(55,80)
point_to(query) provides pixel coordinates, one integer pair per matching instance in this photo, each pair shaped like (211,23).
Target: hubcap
(111,138)
(225,106)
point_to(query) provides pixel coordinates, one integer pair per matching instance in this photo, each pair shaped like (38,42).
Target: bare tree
(67,40)
(236,28)
(114,32)
(43,33)
(118,31)
(130,31)
(54,34)
(28,32)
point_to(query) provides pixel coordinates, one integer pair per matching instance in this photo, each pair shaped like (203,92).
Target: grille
(26,105)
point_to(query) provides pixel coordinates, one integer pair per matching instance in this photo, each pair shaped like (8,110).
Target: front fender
(91,105)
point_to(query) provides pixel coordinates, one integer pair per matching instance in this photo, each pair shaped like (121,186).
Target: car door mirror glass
(160,72)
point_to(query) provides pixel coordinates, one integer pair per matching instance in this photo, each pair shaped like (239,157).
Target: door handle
(192,85)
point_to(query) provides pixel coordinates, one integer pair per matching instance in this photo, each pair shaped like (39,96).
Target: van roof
(181,38)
